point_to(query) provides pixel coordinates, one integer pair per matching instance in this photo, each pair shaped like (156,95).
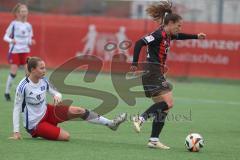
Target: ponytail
(158,11)
(162,13)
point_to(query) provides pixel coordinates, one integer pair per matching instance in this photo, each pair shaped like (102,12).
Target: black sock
(157,124)
(86,114)
(13,75)
(155,109)
(89,115)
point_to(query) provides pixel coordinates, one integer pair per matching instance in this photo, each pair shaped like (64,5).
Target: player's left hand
(57,100)
(16,136)
(202,35)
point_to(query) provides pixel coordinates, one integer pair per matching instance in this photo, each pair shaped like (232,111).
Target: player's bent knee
(170,104)
(77,110)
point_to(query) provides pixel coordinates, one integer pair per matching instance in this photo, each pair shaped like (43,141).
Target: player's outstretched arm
(57,96)
(16,113)
(137,49)
(185,36)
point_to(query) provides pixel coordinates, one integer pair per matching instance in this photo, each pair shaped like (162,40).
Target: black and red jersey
(158,45)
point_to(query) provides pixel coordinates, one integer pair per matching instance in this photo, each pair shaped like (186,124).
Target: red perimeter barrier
(60,38)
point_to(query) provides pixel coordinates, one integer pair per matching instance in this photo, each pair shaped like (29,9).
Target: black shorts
(154,82)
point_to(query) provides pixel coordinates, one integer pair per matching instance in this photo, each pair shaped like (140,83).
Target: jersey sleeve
(184,36)
(18,102)
(154,36)
(8,37)
(30,35)
(137,49)
(51,89)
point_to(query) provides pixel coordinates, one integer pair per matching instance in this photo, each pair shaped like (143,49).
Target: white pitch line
(208,101)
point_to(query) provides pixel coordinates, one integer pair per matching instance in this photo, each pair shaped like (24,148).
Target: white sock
(100,120)
(154,139)
(9,84)
(141,119)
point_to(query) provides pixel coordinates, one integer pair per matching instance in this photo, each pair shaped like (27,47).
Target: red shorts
(18,58)
(47,127)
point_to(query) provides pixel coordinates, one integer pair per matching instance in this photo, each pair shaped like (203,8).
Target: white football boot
(137,124)
(117,121)
(157,145)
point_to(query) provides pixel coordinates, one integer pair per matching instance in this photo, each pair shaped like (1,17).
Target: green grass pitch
(210,108)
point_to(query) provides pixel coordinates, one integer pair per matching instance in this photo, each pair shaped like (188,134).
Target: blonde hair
(17,7)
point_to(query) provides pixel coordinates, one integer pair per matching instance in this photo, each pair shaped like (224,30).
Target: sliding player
(39,118)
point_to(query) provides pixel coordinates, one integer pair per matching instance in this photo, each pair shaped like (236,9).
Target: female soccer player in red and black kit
(154,82)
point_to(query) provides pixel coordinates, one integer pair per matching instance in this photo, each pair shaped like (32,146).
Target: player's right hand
(16,136)
(57,99)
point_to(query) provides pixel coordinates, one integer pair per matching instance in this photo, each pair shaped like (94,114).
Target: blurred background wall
(212,11)
(67,28)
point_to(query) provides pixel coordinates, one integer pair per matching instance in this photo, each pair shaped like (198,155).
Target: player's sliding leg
(92,117)
(48,128)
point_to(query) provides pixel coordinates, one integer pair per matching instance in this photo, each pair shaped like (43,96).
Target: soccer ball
(194,142)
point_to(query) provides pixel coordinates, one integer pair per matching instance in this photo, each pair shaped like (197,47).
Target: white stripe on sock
(101,120)
(154,139)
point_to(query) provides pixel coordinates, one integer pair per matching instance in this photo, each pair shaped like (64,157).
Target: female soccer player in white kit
(39,118)
(19,36)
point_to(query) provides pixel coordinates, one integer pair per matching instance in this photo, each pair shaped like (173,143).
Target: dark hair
(171,17)
(162,13)
(32,62)
(157,11)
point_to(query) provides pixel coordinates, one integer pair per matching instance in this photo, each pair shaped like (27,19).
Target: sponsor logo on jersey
(34,104)
(38,97)
(42,88)
(149,38)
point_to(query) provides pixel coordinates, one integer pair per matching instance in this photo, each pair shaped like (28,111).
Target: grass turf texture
(208,107)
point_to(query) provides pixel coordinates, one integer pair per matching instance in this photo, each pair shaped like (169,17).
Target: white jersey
(22,33)
(30,99)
